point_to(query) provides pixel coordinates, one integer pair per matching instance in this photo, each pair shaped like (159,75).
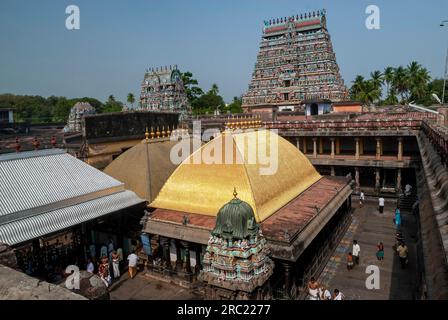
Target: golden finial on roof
(157,132)
(234,192)
(152,132)
(163,131)
(168,132)
(147,134)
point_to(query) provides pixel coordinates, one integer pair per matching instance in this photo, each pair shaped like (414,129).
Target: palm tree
(357,86)
(111,98)
(214,89)
(131,99)
(418,80)
(365,91)
(377,78)
(400,83)
(388,78)
(370,92)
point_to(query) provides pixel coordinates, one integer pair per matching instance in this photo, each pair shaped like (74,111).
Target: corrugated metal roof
(29,181)
(39,225)
(44,191)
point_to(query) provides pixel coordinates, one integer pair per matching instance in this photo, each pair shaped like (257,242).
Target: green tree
(365,91)
(377,79)
(418,82)
(235,105)
(62,110)
(131,99)
(208,102)
(192,89)
(388,78)
(400,83)
(112,105)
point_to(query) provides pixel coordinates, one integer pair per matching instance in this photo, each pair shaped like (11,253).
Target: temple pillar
(186,245)
(288,278)
(332,171)
(338,145)
(321,145)
(400,149)
(178,257)
(357,149)
(304,145)
(398,187)
(378,149)
(298,143)
(332,148)
(165,242)
(314,147)
(197,267)
(357,185)
(377,180)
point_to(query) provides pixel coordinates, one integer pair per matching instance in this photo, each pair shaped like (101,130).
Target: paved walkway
(370,227)
(145,288)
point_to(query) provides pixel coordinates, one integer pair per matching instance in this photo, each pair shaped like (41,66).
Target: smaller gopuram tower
(236,263)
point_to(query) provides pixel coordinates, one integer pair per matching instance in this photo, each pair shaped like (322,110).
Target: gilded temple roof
(203,187)
(145,167)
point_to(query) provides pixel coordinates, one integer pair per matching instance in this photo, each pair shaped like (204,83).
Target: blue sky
(216,40)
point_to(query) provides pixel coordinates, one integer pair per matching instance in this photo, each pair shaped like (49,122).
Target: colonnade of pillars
(335,147)
(398,186)
(180,265)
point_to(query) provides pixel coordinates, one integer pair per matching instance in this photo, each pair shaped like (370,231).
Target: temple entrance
(314,109)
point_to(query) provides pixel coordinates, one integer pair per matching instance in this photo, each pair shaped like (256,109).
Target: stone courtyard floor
(370,227)
(143,287)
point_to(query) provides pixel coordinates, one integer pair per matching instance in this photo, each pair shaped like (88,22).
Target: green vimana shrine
(236,264)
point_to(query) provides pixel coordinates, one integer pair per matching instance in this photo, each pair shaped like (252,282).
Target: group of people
(111,262)
(400,247)
(353,256)
(320,292)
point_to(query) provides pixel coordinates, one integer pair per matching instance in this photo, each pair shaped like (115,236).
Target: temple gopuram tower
(163,89)
(236,263)
(296,63)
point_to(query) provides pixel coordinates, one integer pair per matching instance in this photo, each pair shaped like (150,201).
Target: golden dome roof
(145,167)
(204,188)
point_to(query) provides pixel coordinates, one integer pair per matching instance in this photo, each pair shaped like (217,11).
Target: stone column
(197,267)
(357,185)
(178,257)
(186,245)
(314,147)
(304,145)
(165,242)
(321,145)
(400,149)
(332,171)
(287,275)
(378,148)
(377,180)
(298,143)
(357,149)
(332,148)
(399,189)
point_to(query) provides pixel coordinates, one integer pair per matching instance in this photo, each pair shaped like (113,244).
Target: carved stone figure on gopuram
(236,264)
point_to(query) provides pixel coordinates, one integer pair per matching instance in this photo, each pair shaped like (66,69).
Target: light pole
(443,24)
